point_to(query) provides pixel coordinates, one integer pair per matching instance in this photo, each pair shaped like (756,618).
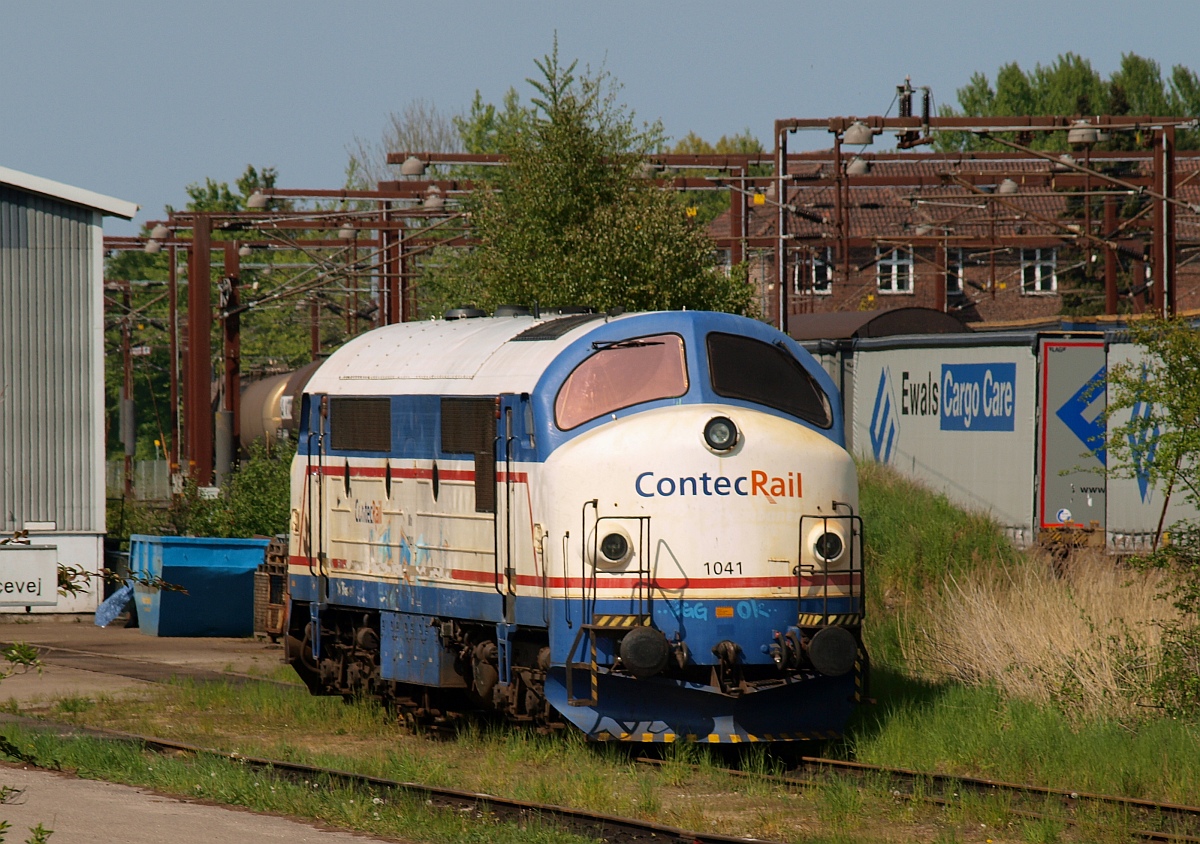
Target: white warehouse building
(52,444)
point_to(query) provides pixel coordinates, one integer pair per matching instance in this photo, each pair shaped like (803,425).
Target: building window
(1038,271)
(894,270)
(821,274)
(955,273)
(725,260)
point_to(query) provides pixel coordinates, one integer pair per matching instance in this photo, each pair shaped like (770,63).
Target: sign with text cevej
(28,575)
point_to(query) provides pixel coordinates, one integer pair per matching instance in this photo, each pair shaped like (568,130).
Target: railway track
(1067,797)
(1183,817)
(918,785)
(611,829)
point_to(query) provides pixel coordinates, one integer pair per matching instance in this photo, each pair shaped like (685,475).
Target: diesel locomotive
(641,526)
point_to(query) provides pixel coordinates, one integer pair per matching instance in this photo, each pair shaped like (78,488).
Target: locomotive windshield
(751,370)
(621,375)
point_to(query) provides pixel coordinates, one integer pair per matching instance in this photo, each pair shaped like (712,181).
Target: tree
(255,501)
(275,336)
(1161,441)
(418,127)
(486,129)
(708,205)
(570,220)
(217,196)
(1071,86)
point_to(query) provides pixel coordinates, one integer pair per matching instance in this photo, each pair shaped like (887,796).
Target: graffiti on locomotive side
(745,610)
(368,512)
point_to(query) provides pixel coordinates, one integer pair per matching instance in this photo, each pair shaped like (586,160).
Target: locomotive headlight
(828,546)
(613,549)
(827,543)
(720,434)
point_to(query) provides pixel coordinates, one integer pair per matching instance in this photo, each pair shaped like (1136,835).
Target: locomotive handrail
(495,529)
(854,596)
(540,551)
(566,574)
(644,544)
(584,615)
(308,474)
(322,574)
(510,584)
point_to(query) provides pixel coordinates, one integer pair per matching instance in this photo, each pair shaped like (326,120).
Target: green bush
(256,500)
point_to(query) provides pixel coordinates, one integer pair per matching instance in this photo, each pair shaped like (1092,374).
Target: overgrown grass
(978,731)
(1083,636)
(916,540)
(995,662)
(949,598)
(321,800)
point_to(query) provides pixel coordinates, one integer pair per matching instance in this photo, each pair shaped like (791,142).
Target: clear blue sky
(138,99)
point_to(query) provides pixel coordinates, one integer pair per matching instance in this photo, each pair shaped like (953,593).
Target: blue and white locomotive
(642,525)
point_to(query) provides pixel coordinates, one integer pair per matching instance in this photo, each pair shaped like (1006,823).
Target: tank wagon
(643,526)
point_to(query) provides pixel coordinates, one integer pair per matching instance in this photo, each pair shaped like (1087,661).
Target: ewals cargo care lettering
(978,396)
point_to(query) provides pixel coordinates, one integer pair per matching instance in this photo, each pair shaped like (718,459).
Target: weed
(758,762)
(74,704)
(39,835)
(679,763)
(839,802)
(1042,831)
(648,803)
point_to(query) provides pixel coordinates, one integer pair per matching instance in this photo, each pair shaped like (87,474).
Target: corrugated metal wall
(48,417)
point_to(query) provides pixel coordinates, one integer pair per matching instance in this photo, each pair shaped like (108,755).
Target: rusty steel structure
(1154,176)
(786,208)
(212,244)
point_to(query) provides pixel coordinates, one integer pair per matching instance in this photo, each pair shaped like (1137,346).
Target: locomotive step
(609,622)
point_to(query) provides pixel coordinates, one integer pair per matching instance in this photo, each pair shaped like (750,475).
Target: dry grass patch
(1084,636)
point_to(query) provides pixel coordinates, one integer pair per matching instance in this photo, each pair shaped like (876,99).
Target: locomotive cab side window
(360,424)
(751,370)
(469,427)
(620,375)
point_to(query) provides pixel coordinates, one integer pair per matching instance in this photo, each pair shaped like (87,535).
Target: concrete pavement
(78,637)
(92,812)
(89,812)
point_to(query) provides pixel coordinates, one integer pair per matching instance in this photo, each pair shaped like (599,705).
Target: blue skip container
(218,575)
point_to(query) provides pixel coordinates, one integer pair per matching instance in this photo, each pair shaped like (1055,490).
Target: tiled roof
(946,195)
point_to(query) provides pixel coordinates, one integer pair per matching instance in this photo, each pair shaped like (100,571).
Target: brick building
(990,237)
